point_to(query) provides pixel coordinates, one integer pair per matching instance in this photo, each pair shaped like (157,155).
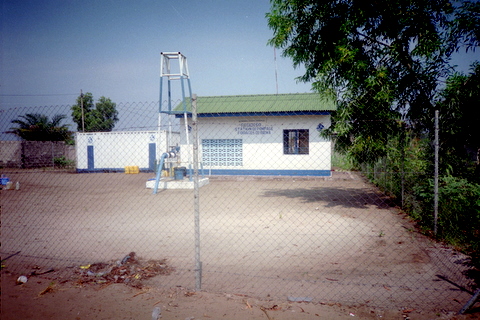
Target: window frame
(296,141)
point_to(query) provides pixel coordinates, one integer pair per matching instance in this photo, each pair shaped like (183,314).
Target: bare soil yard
(266,243)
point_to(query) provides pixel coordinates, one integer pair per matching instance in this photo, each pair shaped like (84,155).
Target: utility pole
(83,116)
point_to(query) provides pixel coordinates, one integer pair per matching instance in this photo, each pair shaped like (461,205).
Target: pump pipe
(165,155)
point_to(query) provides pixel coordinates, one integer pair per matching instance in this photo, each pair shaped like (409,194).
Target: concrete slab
(170,183)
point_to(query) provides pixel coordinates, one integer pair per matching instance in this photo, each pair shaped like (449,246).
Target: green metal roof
(262,103)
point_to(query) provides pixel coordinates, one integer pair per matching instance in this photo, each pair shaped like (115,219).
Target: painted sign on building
(253,128)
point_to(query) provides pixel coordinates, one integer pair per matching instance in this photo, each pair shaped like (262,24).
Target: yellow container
(132,169)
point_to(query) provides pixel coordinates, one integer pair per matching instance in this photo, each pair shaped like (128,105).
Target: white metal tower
(171,71)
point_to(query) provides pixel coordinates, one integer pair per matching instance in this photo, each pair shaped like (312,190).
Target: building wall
(113,151)
(262,143)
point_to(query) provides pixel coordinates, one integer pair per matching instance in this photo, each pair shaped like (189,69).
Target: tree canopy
(383,60)
(460,139)
(100,116)
(38,127)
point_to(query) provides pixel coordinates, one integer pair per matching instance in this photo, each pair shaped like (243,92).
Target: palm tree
(38,127)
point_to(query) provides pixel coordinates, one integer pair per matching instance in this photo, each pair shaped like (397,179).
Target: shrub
(63,162)
(458,211)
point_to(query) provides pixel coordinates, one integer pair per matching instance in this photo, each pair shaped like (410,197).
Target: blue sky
(112,48)
(52,49)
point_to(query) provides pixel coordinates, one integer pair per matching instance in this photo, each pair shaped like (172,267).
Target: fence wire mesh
(281,214)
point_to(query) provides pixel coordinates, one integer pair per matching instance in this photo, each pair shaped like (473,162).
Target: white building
(113,151)
(259,135)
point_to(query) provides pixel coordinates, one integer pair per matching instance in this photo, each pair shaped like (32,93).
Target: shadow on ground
(335,197)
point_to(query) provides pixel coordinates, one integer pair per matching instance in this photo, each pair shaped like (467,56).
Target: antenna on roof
(275,60)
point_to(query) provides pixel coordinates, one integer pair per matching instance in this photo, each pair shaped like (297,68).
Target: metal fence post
(435,192)
(198,263)
(403,140)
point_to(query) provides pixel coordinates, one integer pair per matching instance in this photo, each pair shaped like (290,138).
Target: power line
(38,95)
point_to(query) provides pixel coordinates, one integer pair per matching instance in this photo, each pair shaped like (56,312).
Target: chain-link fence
(272,213)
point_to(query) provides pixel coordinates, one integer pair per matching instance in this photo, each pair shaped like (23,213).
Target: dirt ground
(118,301)
(335,244)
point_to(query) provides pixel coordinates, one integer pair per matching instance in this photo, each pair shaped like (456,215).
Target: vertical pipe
(169,138)
(159,129)
(159,172)
(198,263)
(435,191)
(160,96)
(185,113)
(169,95)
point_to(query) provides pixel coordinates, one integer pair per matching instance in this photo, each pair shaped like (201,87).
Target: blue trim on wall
(257,114)
(105,170)
(230,172)
(300,173)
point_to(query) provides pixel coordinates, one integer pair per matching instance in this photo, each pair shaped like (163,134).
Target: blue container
(4,180)
(179,172)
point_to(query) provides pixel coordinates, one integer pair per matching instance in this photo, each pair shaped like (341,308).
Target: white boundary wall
(97,151)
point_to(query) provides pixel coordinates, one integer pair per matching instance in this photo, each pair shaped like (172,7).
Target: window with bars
(222,152)
(295,141)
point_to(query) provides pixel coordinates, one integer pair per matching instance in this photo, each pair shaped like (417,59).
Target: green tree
(99,117)
(382,60)
(38,127)
(386,63)
(460,138)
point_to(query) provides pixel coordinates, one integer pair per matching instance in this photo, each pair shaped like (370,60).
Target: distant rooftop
(261,103)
